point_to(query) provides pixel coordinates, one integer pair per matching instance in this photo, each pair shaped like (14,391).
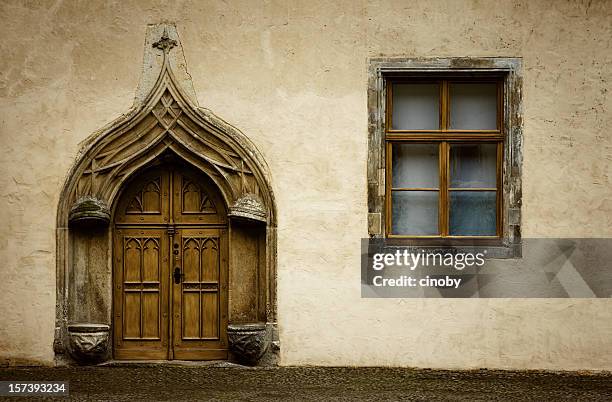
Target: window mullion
(444,102)
(443,207)
(388,185)
(499,193)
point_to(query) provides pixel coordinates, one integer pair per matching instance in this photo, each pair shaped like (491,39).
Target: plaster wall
(292,75)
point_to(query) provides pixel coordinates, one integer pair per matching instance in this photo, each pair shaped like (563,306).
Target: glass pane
(415,165)
(416,107)
(415,212)
(473,106)
(473,165)
(472,213)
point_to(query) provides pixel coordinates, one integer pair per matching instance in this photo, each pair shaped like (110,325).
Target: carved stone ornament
(89,211)
(88,343)
(165,43)
(165,121)
(248,342)
(249,207)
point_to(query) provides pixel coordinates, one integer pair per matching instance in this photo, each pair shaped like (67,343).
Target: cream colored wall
(292,76)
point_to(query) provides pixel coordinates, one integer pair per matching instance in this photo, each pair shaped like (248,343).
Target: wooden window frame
(444,136)
(509,71)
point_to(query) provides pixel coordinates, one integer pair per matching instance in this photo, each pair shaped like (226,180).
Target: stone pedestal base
(88,343)
(248,342)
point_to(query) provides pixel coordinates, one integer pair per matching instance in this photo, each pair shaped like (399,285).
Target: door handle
(178,275)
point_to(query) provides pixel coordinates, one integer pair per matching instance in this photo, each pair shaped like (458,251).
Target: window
(444,151)
(445,154)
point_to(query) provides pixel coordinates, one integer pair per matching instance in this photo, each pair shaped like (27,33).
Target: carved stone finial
(165,43)
(163,36)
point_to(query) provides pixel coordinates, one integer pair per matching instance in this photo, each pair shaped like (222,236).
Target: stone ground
(155,382)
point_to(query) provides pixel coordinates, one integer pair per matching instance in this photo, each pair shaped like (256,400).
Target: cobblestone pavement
(169,382)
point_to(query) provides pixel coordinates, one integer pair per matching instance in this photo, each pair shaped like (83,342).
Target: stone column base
(248,342)
(88,343)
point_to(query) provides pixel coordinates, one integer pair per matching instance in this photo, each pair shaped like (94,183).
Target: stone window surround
(380,67)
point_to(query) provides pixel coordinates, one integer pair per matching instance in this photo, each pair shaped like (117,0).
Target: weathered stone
(249,207)
(89,211)
(88,343)
(374,223)
(112,157)
(248,342)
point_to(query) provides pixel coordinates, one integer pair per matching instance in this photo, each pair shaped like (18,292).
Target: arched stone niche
(165,120)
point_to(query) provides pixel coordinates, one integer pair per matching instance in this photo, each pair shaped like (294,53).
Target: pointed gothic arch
(167,120)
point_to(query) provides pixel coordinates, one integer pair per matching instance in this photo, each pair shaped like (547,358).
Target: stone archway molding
(165,118)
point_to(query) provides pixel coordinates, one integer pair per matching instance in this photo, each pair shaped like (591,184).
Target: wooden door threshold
(171,363)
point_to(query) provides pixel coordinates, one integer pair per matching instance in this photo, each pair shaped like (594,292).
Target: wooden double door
(170,263)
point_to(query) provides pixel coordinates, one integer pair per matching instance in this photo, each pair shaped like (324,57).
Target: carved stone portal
(88,343)
(164,122)
(248,342)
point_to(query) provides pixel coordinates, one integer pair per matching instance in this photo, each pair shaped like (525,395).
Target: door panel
(146,200)
(194,202)
(200,299)
(141,293)
(170,218)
